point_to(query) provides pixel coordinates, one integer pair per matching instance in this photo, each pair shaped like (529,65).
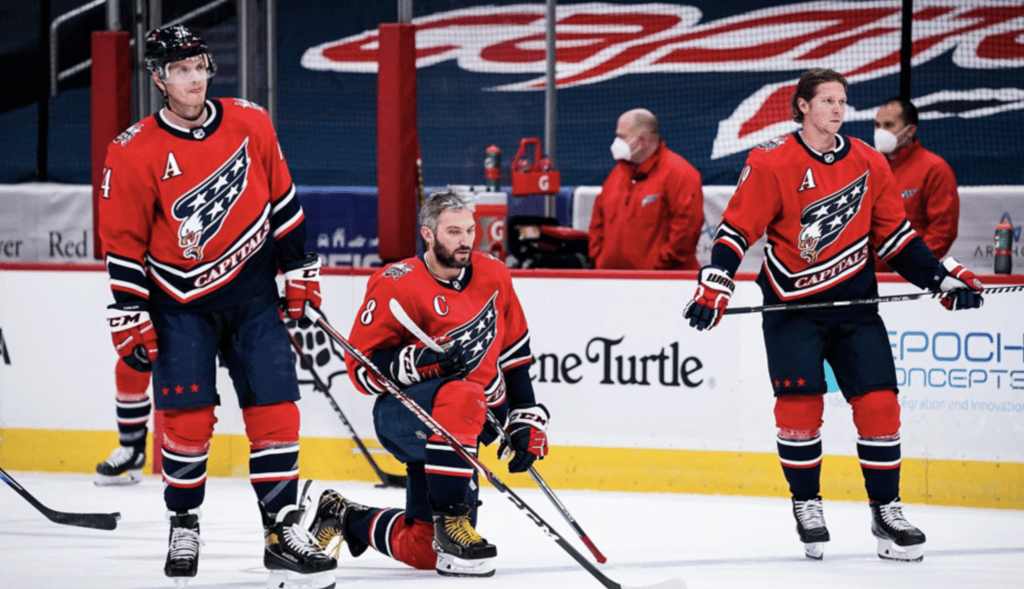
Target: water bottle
(492,168)
(1004,253)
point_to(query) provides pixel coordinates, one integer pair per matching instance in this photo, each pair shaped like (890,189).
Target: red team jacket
(479,308)
(648,216)
(199,219)
(823,214)
(930,197)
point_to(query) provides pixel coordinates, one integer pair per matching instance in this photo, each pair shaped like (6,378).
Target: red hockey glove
(302,284)
(133,334)
(714,289)
(527,430)
(961,288)
(416,363)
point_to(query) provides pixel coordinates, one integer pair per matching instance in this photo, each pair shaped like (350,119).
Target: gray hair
(440,201)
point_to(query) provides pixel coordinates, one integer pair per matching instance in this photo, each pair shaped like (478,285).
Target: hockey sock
(132,404)
(185,475)
(460,407)
(185,450)
(274,475)
(376,528)
(800,454)
(877,417)
(798,418)
(273,432)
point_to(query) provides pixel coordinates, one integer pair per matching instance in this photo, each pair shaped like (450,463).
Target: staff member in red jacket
(650,211)
(925,180)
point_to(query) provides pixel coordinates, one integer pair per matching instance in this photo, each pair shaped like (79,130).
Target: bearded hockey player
(826,201)
(465,301)
(198,214)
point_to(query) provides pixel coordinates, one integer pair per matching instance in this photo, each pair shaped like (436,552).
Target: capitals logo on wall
(601,41)
(202,210)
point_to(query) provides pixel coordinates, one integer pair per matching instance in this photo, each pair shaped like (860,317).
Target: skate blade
(453,566)
(181,582)
(291,580)
(814,550)
(131,477)
(889,550)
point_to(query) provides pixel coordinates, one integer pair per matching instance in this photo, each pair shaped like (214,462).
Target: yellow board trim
(937,482)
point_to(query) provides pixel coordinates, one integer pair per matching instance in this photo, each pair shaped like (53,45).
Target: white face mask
(885,141)
(621,150)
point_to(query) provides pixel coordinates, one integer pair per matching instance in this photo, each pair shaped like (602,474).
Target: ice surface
(710,542)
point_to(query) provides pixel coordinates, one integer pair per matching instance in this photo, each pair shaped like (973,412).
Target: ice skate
(810,525)
(461,551)
(293,557)
(327,524)
(897,538)
(183,546)
(124,467)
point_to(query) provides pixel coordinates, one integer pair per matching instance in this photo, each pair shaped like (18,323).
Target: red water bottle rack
(533,176)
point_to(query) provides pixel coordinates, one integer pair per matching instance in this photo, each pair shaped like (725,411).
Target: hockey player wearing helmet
(198,215)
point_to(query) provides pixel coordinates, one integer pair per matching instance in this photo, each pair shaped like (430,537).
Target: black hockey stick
(868,301)
(399,312)
(386,479)
(472,460)
(99,521)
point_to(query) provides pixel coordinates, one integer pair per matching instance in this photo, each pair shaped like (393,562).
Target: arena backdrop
(717,74)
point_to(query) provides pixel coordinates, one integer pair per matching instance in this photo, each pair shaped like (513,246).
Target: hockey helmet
(175,43)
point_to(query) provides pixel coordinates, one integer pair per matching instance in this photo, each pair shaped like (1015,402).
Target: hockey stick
(399,312)
(99,521)
(386,479)
(428,420)
(868,301)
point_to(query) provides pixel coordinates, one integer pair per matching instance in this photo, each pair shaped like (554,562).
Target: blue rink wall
(639,401)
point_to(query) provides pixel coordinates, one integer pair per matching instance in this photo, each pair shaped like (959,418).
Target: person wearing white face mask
(925,180)
(650,210)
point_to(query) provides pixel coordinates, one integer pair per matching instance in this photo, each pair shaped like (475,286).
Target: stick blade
(669,584)
(96,521)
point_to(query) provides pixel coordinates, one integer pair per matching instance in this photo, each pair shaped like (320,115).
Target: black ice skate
(327,525)
(461,551)
(810,525)
(897,538)
(124,467)
(291,549)
(183,546)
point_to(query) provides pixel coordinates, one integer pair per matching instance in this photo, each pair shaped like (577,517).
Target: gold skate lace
(461,531)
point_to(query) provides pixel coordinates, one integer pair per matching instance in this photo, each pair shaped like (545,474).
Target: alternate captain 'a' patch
(203,209)
(824,220)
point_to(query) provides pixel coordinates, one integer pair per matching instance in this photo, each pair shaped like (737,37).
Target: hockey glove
(714,289)
(133,334)
(302,284)
(527,432)
(960,287)
(416,363)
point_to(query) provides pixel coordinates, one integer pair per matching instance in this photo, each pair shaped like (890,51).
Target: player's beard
(446,258)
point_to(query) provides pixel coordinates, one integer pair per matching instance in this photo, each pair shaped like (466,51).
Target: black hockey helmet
(175,43)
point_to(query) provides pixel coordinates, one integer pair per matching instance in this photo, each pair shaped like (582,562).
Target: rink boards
(639,401)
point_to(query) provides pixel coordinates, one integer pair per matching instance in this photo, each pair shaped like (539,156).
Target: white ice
(710,542)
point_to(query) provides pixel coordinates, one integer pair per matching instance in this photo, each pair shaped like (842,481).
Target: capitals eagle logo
(824,219)
(203,209)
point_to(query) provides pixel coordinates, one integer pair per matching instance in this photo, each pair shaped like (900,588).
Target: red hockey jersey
(199,219)
(821,212)
(479,307)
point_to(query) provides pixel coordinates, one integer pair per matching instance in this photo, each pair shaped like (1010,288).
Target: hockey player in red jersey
(826,201)
(198,214)
(465,301)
